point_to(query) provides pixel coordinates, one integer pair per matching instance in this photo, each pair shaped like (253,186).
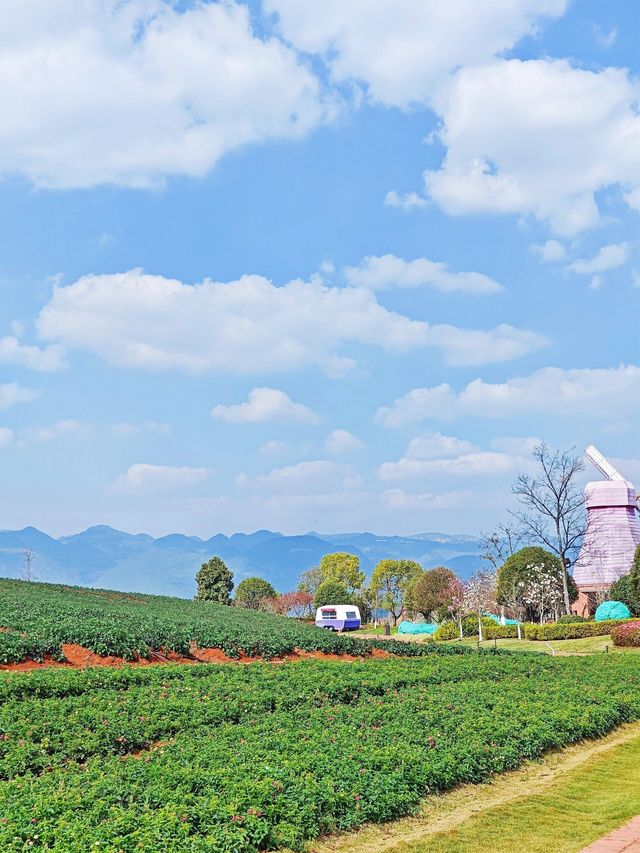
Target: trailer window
(329,614)
(351,614)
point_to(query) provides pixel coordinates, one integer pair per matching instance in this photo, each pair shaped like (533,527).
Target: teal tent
(416,628)
(612,610)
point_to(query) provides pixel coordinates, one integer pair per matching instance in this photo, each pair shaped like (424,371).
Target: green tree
(627,588)
(390,581)
(431,591)
(310,580)
(343,568)
(331,592)
(252,592)
(514,577)
(215,582)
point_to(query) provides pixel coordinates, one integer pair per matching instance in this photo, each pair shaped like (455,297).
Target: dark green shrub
(501,632)
(624,590)
(570,619)
(571,631)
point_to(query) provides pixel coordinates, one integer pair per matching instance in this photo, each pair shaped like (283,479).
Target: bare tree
(554,506)
(496,547)
(27,573)
(480,595)
(511,596)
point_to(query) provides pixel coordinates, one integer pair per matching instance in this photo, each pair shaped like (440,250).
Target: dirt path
(445,812)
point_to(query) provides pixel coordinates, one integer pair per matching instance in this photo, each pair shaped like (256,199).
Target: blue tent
(416,628)
(612,610)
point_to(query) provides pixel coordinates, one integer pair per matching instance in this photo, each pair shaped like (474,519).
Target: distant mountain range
(110,559)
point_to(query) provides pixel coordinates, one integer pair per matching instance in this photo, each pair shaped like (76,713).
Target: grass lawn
(562,803)
(585,646)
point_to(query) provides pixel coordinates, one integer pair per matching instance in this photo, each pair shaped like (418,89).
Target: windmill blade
(602,464)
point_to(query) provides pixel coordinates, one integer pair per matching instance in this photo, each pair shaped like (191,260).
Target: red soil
(77,657)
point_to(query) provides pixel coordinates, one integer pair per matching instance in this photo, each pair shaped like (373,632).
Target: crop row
(37,619)
(42,729)
(276,779)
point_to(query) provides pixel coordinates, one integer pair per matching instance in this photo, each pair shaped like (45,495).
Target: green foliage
(431,591)
(343,569)
(331,592)
(310,580)
(572,630)
(390,582)
(215,582)
(252,592)
(239,759)
(450,630)
(513,576)
(501,632)
(41,617)
(627,588)
(570,619)
(627,634)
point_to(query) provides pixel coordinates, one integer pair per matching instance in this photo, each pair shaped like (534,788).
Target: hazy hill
(108,558)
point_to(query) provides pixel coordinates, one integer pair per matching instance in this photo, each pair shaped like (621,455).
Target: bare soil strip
(444,812)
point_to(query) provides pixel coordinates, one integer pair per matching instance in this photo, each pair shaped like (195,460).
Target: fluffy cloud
(12,393)
(341,441)
(482,463)
(399,500)
(317,476)
(390,271)
(143,476)
(249,326)
(537,137)
(550,251)
(265,404)
(49,359)
(52,431)
(131,91)
(608,258)
(417,44)
(438,446)
(405,201)
(595,391)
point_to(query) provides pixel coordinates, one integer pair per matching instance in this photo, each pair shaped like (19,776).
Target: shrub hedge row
(571,631)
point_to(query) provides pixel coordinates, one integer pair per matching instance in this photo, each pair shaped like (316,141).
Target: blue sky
(324,266)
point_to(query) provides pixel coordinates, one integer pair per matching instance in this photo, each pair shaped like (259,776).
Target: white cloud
(516,445)
(437,446)
(398,499)
(537,137)
(390,271)
(482,463)
(605,39)
(12,393)
(403,50)
(265,404)
(608,258)
(249,326)
(596,282)
(405,201)
(341,441)
(317,476)
(49,359)
(273,448)
(143,476)
(550,251)
(131,91)
(6,436)
(597,392)
(52,431)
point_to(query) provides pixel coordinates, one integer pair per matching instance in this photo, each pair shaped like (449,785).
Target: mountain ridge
(104,557)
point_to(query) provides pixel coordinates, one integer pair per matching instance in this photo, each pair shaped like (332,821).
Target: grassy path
(562,803)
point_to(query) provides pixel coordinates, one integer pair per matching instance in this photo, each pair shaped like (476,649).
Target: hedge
(572,631)
(627,634)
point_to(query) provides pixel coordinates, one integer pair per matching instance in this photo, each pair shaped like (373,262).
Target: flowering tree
(543,590)
(480,594)
(297,604)
(456,601)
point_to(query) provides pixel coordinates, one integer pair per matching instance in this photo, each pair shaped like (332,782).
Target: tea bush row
(280,778)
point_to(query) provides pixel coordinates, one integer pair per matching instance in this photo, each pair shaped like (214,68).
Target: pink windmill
(612,534)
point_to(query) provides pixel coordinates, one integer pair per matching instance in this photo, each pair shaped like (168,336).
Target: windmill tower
(612,536)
